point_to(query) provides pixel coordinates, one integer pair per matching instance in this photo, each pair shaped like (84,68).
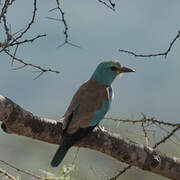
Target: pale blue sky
(143,27)
(140,26)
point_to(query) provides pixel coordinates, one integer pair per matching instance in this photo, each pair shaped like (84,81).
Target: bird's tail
(60,153)
(67,142)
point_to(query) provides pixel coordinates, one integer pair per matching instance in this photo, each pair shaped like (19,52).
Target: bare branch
(27,40)
(157,54)
(144,119)
(25,64)
(170,138)
(63,20)
(15,40)
(121,172)
(167,137)
(6,44)
(30,23)
(20,170)
(18,121)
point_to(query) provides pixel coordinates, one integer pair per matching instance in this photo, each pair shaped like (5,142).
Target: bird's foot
(101,129)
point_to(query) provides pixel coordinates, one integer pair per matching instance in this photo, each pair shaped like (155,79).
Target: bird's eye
(113,68)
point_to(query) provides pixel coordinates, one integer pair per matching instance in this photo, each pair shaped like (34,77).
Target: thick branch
(19,121)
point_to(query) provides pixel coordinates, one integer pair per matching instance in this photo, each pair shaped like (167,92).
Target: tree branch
(165,53)
(16,120)
(63,20)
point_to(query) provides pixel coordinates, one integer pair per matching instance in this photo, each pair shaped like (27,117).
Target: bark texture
(16,120)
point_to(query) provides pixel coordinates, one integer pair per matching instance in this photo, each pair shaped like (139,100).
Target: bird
(88,106)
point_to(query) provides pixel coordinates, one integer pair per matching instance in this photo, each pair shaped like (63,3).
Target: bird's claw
(101,129)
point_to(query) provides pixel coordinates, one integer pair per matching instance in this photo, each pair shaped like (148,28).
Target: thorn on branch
(156,54)
(71,44)
(14,54)
(54,19)
(20,67)
(111,6)
(40,74)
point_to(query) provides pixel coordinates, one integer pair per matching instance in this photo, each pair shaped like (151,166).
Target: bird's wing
(87,106)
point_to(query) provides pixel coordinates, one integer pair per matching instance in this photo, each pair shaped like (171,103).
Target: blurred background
(140,26)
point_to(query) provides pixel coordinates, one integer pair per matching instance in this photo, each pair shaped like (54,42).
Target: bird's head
(107,71)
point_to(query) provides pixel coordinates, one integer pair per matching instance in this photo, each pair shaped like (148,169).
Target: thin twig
(30,23)
(14,55)
(54,19)
(152,120)
(156,54)
(21,170)
(63,20)
(25,64)
(166,137)
(27,40)
(121,172)
(69,44)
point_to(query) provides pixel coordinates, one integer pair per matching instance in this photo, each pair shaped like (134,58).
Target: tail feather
(68,141)
(60,154)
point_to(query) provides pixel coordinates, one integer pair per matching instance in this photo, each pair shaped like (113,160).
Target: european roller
(88,106)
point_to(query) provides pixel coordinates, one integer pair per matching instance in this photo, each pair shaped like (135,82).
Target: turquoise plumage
(88,106)
(99,114)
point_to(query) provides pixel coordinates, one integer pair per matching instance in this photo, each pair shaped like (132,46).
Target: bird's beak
(124,69)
